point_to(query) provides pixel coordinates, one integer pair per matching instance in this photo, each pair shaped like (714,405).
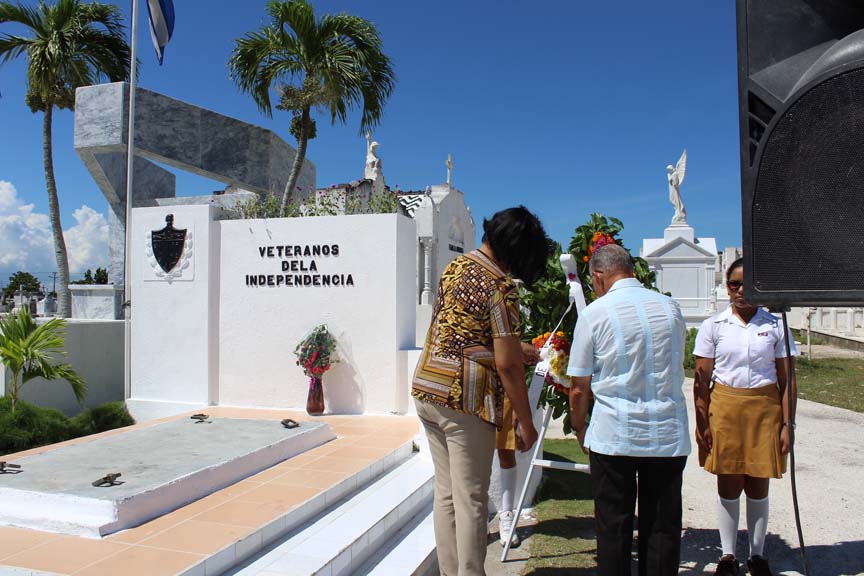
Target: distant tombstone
(50,305)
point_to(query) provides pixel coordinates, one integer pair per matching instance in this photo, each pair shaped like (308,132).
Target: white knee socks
(508,488)
(727,516)
(757,524)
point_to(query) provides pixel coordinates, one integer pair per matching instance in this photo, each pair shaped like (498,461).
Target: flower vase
(315,399)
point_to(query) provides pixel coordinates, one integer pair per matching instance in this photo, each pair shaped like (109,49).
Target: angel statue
(676,178)
(373,162)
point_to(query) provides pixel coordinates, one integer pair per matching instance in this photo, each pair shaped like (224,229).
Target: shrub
(689,343)
(101,418)
(30,426)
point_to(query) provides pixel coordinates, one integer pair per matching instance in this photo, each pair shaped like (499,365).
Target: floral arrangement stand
(550,378)
(316,353)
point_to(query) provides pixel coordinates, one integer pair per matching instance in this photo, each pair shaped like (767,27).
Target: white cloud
(26,242)
(87,241)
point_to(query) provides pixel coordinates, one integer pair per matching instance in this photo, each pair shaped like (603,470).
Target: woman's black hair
(518,240)
(739,263)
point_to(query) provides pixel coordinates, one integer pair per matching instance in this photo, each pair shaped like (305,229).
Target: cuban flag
(161,24)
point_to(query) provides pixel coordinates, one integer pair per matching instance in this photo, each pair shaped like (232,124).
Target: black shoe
(727,566)
(758,566)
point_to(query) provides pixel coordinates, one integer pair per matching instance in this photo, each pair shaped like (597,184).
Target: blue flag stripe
(161,24)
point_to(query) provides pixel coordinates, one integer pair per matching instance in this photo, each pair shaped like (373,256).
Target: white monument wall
(174,323)
(373,319)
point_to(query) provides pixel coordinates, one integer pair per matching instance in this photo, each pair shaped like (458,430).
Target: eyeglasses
(734,285)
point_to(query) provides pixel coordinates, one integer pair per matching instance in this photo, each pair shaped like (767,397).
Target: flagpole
(130,172)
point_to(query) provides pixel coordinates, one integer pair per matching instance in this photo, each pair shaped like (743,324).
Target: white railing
(839,321)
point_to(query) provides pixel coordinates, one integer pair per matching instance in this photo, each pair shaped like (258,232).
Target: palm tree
(29,350)
(70,44)
(335,61)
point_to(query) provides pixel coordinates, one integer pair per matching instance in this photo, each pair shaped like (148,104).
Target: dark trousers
(613,485)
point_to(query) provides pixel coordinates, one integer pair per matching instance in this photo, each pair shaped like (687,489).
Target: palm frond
(340,54)
(71,44)
(259,59)
(29,16)
(32,350)
(12,47)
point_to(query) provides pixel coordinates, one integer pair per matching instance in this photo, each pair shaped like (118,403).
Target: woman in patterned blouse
(472,358)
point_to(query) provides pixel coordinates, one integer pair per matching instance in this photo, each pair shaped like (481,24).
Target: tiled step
(342,541)
(411,552)
(300,517)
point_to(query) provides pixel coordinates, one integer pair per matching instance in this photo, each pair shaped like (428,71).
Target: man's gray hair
(611,258)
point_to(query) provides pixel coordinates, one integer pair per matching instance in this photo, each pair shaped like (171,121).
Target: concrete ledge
(847,342)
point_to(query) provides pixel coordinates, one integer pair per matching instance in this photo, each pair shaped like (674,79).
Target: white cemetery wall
(367,301)
(94,348)
(174,319)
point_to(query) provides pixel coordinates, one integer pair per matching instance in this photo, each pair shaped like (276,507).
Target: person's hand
(785,440)
(580,436)
(704,438)
(530,354)
(526,437)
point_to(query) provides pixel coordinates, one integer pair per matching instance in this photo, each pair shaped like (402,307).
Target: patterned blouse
(476,303)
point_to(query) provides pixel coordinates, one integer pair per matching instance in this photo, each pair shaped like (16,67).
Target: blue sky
(569,107)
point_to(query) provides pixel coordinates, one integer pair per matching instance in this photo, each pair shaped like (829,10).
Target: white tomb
(685,267)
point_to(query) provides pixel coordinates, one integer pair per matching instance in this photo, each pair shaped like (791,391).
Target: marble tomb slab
(163,467)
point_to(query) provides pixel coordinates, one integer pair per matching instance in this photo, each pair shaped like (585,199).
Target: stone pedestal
(679,231)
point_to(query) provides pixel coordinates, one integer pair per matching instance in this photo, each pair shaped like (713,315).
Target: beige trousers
(462,448)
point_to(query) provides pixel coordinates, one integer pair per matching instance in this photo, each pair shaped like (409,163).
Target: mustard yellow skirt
(745,428)
(505,438)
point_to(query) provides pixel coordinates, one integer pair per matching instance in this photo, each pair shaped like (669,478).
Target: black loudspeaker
(801,113)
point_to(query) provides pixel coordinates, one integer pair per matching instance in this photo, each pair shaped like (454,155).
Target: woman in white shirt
(742,415)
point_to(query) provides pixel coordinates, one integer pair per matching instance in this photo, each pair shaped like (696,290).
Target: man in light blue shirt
(628,349)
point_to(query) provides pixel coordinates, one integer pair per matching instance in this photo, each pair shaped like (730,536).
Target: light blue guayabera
(631,341)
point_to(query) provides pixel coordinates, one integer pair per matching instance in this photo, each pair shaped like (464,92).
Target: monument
(684,264)
(218,306)
(240,155)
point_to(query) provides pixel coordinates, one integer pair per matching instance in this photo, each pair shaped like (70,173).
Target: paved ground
(830,482)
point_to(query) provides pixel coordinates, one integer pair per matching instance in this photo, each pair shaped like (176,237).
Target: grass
(801,336)
(833,381)
(563,538)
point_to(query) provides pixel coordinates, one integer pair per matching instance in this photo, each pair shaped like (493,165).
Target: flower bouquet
(316,353)
(556,355)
